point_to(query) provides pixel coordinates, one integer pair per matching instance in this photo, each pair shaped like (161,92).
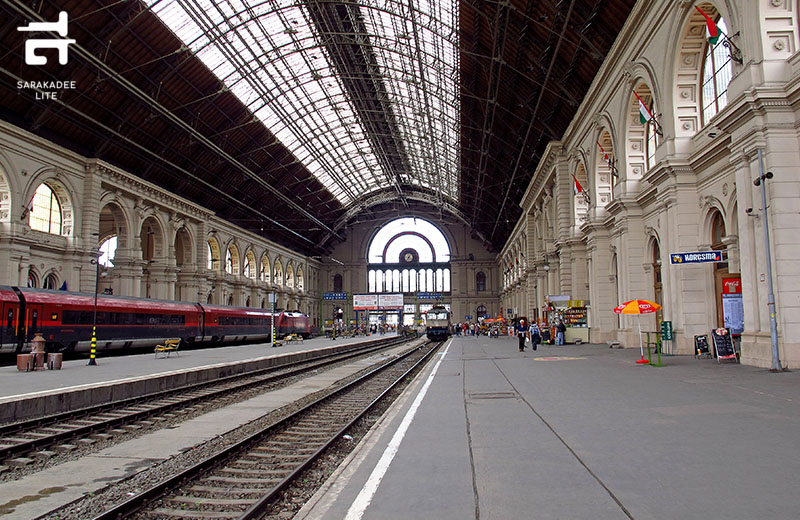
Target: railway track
(31,444)
(244,480)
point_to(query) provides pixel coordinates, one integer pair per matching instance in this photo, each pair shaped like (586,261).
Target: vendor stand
(575,316)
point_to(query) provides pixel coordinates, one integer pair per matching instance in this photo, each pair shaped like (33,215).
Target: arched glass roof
(408,233)
(364,94)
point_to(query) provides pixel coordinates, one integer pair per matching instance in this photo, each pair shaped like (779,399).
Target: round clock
(408,257)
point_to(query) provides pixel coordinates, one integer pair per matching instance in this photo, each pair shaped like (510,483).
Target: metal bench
(169,346)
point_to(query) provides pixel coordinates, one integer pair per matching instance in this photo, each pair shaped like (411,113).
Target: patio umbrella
(638,307)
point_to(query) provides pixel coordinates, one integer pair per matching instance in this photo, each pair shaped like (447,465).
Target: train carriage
(65,320)
(225,324)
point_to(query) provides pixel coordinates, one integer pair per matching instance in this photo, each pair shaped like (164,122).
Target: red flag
(578,187)
(713,31)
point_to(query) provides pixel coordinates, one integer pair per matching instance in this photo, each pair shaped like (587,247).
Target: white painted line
(364,498)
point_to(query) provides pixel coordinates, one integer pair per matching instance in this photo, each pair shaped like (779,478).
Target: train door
(33,312)
(8,331)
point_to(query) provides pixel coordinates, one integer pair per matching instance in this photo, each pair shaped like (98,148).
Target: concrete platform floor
(576,432)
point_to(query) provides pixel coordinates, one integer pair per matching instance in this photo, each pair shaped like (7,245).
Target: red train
(65,320)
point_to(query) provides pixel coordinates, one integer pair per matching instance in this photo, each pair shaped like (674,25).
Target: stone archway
(688,79)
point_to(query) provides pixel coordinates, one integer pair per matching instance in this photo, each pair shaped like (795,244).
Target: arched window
(45,211)
(337,283)
(232,260)
(213,255)
(33,280)
(108,250)
(652,138)
(299,282)
(230,300)
(480,281)
(717,73)
(409,243)
(290,275)
(51,281)
(249,269)
(277,273)
(265,271)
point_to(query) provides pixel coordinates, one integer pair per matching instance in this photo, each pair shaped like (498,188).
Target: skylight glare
(271,55)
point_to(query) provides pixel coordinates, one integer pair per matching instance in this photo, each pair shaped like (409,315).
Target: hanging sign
(365,302)
(429,295)
(334,296)
(696,257)
(390,301)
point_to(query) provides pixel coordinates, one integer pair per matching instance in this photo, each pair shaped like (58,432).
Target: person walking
(560,330)
(522,331)
(533,331)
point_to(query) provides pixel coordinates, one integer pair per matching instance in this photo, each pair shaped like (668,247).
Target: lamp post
(92,362)
(773,323)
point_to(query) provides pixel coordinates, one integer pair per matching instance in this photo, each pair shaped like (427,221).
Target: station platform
(575,432)
(76,385)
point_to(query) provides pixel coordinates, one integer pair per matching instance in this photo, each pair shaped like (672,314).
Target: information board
(334,296)
(733,312)
(390,301)
(666,331)
(365,302)
(701,346)
(723,344)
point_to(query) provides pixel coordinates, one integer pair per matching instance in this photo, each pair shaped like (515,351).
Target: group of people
(531,332)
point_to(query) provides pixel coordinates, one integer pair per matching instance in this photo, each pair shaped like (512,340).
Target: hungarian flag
(578,187)
(713,31)
(644,112)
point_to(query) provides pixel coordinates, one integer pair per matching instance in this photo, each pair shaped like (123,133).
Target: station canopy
(297,119)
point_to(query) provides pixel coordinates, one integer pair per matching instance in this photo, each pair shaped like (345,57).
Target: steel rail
(99,425)
(137,503)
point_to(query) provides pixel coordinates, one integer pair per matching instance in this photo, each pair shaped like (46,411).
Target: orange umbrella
(638,307)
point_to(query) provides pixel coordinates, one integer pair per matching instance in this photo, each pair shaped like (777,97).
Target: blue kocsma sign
(695,258)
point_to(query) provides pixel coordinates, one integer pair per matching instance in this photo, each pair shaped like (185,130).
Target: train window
(10,322)
(34,320)
(54,316)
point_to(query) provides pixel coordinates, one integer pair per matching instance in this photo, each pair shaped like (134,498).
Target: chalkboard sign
(723,344)
(701,346)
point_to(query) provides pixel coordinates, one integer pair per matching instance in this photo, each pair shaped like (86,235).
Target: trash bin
(54,361)
(24,362)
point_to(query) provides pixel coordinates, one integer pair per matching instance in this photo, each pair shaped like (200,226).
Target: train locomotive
(437,323)
(65,321)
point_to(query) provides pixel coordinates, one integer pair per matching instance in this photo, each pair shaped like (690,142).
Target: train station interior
(272,259)
(360,162)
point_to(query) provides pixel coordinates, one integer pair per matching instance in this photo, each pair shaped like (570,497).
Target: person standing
(560,330)
(533,331)
(522,331)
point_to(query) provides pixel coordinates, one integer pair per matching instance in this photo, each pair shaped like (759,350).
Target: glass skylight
(274,59)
